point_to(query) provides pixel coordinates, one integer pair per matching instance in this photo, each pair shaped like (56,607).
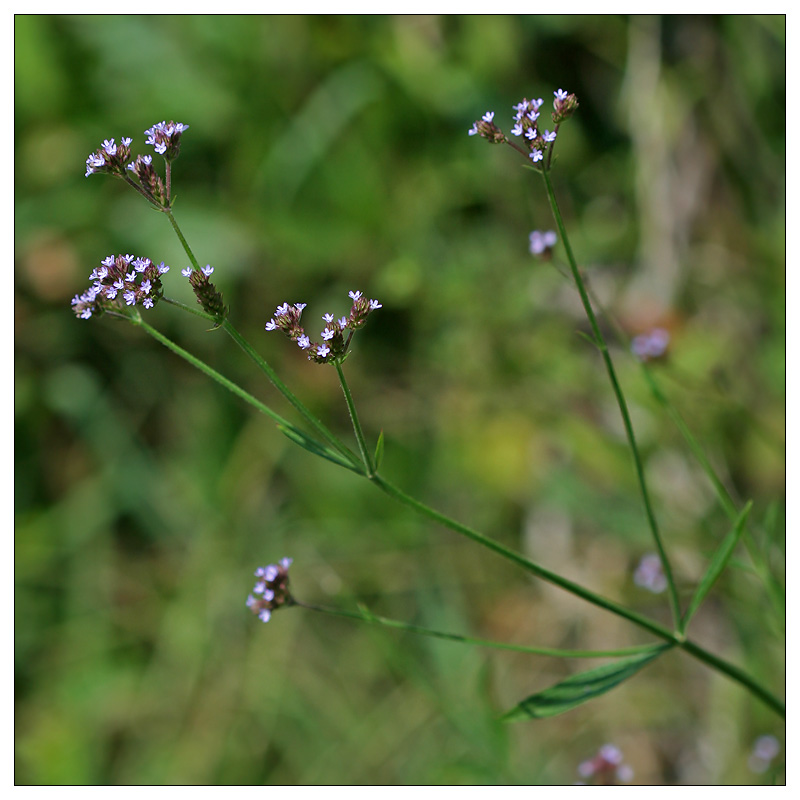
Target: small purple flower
(374,304)
(765,749)
(323,350)
(651,345)
(531,133)
(542,241)
(109,147)
(472,131)
(328,334)
(342,322)
(487,117)
(146,286)
(271,591)
(354,295)
(270,326)
(304,342)
(147,302)
(536,155)
(129,297)
(162,268)
(300,306)
(108,261)
(560,94)
(207,270)
(328,318)
(186,272)
(281,310)
(516,130)
(649,574)
(549,136)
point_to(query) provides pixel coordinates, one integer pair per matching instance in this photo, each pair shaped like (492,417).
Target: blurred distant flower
(287,319)
(607,767)
(114,285)
(765,748)
(271,590)
(542,242)
(650,574)
(651,345)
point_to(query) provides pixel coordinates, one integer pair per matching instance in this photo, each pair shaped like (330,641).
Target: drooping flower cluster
(209,297)
(606,768)
(334,345)
(542,242)
(271,590)
(120,281)
(651,345)
(649,574)
(112,159)
(526,125)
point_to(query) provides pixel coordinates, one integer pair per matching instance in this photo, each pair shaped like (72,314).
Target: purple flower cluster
(120,280)
(607,767)
(334,346)
(526,124)
(271,590)
(112,159)
(651,345)
(166,138)
(109,157)
(649,574)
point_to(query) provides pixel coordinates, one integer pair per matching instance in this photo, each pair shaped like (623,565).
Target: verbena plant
(127,287)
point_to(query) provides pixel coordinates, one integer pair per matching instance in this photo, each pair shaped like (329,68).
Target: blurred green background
(326,154)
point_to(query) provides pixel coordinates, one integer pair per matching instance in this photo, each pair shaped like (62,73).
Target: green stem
(367,616)
(312,419)
(531,566)
(390,489)
(653,627)
(600,342)
(183,241)
(212,373)
(351,407)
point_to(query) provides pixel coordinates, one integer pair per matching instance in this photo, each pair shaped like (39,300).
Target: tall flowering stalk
(122,285)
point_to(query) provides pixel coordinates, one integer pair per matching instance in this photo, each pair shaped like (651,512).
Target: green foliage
(580,688)
(330,154)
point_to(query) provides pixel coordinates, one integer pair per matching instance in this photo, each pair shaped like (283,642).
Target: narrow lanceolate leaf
(579,688)
(718,563)
(379,451)
(315,447)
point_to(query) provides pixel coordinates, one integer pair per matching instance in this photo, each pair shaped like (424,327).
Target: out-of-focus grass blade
(577,689)
(315,447)
(718,564)
(379,451)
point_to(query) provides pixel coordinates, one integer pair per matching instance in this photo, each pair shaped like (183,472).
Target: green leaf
(315,447)
(379,451)
(718,563)
(581,687)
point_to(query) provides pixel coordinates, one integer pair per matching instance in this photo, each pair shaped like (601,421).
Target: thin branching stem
(600,342)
